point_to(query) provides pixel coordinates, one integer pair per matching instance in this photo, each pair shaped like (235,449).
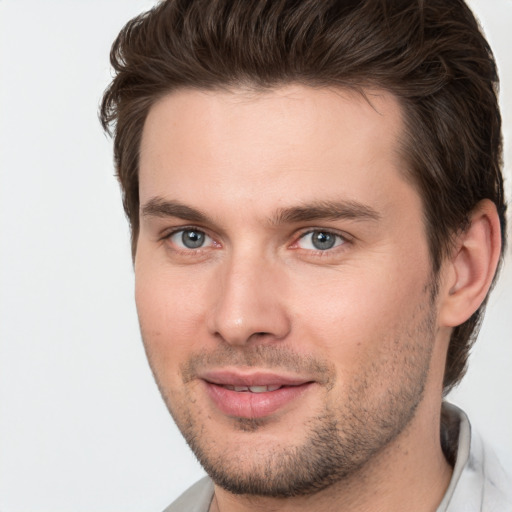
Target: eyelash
(189,251)
(295,245)
(340,241)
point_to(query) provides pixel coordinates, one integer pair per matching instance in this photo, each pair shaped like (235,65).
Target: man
(317,212)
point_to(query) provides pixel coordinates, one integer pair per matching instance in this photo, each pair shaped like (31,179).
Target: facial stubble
(338,442)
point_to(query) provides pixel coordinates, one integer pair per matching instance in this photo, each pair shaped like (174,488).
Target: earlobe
(471,269)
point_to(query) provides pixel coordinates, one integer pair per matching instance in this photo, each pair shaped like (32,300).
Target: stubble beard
(339,442)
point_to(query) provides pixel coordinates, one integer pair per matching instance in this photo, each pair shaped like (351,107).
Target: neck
(411,473)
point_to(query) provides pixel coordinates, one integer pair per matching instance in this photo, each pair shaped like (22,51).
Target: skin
(358,321)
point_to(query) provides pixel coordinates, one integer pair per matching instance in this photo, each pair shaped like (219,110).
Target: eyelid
(346,238)
(169,231)
(168,234)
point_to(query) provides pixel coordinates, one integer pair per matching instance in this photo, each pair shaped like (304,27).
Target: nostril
(260,336)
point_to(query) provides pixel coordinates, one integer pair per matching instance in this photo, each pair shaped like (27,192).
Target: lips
(254,395)
(252,389)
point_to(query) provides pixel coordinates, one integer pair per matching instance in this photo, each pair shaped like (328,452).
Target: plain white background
(82,426)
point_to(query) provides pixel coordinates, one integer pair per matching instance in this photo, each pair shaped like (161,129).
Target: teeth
(253,389)
(263,389)
(258,389)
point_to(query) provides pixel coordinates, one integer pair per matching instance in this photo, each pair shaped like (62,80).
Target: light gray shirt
(478,482)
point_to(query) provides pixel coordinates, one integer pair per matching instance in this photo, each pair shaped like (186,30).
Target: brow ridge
(326,210)
(318,210)
(159,207)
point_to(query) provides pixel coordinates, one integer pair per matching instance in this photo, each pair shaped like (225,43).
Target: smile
(252,389)
(255,395)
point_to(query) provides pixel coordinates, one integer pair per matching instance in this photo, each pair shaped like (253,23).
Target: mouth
(254,395)
(252,389)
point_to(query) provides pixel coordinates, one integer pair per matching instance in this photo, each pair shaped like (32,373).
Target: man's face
(283,282)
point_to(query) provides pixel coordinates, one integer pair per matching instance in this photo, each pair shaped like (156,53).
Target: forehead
(274,146)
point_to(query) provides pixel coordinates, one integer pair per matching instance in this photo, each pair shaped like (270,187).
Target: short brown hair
(429,54)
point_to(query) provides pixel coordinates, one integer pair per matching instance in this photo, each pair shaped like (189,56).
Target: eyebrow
(158,207)
(326,210)
(317,210)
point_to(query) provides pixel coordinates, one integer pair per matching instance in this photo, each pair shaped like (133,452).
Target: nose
(249,302)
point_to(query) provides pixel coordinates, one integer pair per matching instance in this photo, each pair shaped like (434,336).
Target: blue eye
(320,240)
(190,239)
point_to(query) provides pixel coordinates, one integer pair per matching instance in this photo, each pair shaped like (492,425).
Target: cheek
(170,314)
(357,316)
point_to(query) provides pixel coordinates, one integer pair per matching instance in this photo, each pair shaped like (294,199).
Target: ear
(470,271)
